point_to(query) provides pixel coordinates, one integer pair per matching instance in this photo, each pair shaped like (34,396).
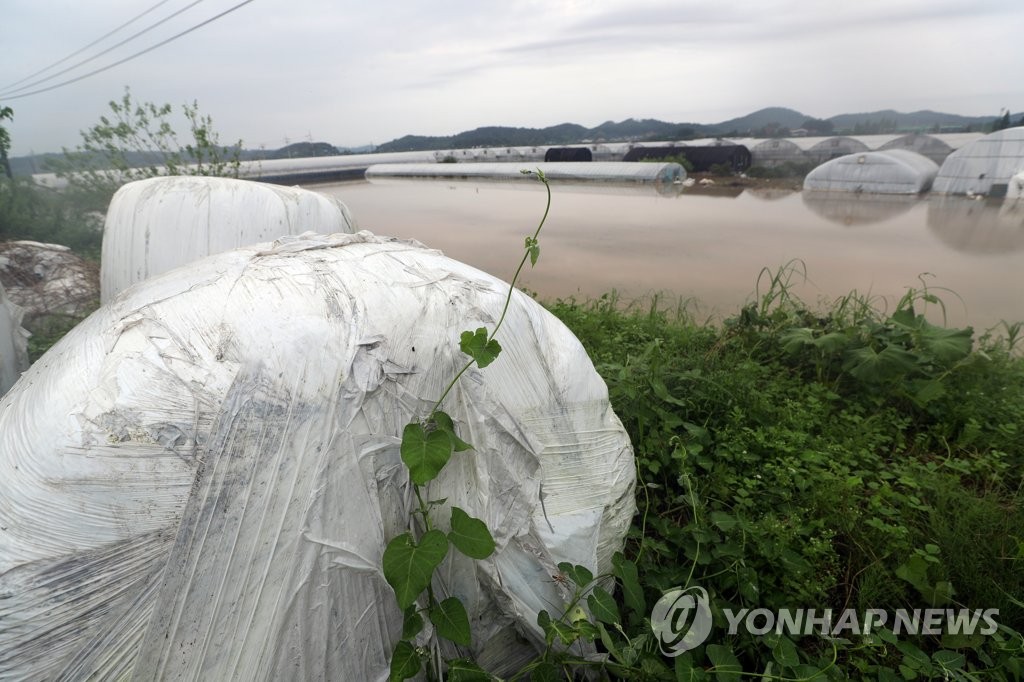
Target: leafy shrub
(829,459)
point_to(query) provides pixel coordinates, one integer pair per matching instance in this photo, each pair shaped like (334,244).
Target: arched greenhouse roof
(984,166)
(895,171)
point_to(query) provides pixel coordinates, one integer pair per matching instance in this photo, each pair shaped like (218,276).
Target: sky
(272,72)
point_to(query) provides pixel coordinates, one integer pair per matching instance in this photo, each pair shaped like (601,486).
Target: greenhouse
(925,145)
(565,170)
(984,166)
(776,152)
(890,172)
(834,147)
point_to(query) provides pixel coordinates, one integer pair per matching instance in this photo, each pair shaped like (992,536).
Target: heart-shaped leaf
(408,566)
(477,346)
(470,535)
(451,621)
(424,453)
(405,662)
(444,423)
(602,605)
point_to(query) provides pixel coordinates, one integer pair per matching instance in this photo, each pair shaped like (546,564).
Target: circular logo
(681,620)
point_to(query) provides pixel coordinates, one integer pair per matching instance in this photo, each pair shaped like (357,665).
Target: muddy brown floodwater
(710,249)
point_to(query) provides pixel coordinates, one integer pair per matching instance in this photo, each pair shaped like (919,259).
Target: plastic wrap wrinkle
(246,411)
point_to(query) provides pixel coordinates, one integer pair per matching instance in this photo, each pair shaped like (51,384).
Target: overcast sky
(348,73)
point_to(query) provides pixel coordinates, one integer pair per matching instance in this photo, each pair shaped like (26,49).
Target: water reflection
(849,208)
(702,245)
(770,193)
(977,226)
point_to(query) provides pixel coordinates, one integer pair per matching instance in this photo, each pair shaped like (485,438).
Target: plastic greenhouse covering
(158,224)
(13,344)
(198,482)
(984,166)
(570,171)
(895,171)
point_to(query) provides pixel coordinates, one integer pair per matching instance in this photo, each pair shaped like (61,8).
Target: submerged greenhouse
(895,171)
(622,171)
(985,166)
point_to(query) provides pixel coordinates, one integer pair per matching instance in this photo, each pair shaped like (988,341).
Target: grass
(845,457)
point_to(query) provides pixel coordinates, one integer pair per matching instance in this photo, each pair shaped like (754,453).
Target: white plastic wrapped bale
(199,480)
(158,224)
(13,343)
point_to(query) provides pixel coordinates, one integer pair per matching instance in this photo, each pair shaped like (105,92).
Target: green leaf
(424,453)
(444,423)
(727,666)
(567,633)
(546,672)
(608,642)
(451,621)
(632,593)
(873,367)
(465,670)
(723,520)
(949,660)
(479,347)
(405,662)
(603,606)
(785,652)
(412,622)
(470,535)
(579,575)
(533,247)
(408,567)
(947,345)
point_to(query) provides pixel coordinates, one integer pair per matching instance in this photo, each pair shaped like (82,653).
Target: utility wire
(100,54)
(130,57)
(80,51)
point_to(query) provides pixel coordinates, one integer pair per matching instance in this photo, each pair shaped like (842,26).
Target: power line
(100,54)
(130,57)
(80,51)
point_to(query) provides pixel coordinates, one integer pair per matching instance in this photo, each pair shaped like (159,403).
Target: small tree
(137,142)
(5,140)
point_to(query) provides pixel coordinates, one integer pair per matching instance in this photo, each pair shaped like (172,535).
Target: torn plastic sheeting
(13,343)
(158,224)
(198,482)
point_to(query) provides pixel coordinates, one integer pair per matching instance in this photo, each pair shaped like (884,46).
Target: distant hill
(763,118)
(889,120)
(768,122)
(771,121)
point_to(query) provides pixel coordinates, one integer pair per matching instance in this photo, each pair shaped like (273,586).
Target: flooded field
(710,248)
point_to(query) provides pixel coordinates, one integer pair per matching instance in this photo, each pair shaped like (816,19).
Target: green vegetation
(786,169)
(138,141)
(823,459)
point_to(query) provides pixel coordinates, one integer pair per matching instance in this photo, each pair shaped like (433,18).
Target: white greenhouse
(834,147)
(925,145)
(985,166)
(622,172)
(895,171)
(157,224)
